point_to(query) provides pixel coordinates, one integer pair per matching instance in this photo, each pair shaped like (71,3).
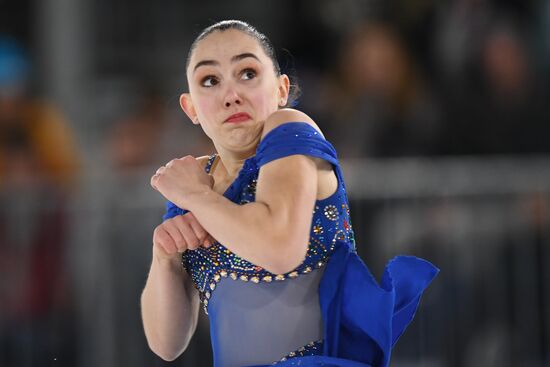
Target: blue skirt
(363,319)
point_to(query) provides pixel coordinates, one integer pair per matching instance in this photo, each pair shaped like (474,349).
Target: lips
(238,117)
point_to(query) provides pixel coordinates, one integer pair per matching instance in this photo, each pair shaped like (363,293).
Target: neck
(231,161)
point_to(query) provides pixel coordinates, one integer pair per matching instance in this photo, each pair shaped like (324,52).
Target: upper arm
(288,186)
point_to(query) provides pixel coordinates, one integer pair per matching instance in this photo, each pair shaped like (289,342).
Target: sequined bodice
(208,266)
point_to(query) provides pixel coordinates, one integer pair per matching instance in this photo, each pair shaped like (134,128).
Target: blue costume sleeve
(172,210)
(294,138)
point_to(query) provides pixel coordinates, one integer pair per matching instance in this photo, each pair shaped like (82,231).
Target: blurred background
(439,111)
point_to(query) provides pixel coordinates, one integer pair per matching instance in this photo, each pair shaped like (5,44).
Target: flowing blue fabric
(361,319)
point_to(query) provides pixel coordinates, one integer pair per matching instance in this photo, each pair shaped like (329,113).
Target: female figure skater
(281,282)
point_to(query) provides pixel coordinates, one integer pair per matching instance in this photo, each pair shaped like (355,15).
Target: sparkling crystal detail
(331,212)
(317,229)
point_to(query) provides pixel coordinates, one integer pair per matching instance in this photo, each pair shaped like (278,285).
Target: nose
(231,98)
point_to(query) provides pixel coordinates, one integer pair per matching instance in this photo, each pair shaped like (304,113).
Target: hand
(180,178)
(178,234)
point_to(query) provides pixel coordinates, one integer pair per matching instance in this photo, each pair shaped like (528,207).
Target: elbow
(167,357)
(168,350)
(289,256)
(166,353)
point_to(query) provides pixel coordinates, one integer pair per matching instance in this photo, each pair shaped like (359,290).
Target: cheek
(265,101)
(205,107)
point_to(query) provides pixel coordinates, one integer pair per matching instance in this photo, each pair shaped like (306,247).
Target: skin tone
(230,73)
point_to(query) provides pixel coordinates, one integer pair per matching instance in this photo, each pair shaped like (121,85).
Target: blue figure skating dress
(329,311)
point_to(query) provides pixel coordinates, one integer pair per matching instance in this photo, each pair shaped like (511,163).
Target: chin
(244,140)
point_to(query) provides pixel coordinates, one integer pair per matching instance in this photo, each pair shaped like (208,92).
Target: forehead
(222,45)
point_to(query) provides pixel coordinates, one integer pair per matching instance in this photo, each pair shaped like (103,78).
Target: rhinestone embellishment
(317,229)
(311,349)
(331,212)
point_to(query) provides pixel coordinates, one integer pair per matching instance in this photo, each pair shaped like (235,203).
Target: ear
(186,105)
(283,90)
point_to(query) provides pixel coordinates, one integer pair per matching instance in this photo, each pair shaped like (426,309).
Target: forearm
(252,231)
(169,308)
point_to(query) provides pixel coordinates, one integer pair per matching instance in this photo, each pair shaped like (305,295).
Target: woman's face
(229,74)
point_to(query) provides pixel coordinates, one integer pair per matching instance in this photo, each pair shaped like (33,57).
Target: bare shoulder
(285,115)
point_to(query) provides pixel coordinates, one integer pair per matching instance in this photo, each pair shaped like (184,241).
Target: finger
(154,181)
(164,240)
(177,235)
(204,237)
(187,232)
(200,232)
(208,242)
(211,239)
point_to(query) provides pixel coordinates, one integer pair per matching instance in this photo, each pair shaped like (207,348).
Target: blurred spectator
(503,109)
(134,140)
(30,130)
(38,164)
(149,134)
(376,102)
(457,37)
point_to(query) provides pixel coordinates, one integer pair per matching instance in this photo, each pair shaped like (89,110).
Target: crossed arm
(271,232)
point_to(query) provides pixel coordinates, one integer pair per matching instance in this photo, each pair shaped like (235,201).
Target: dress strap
(211,163)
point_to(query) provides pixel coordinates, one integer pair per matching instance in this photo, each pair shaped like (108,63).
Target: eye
(209,81)
(248,74)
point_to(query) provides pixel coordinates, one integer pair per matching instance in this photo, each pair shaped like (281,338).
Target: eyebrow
(235,58)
